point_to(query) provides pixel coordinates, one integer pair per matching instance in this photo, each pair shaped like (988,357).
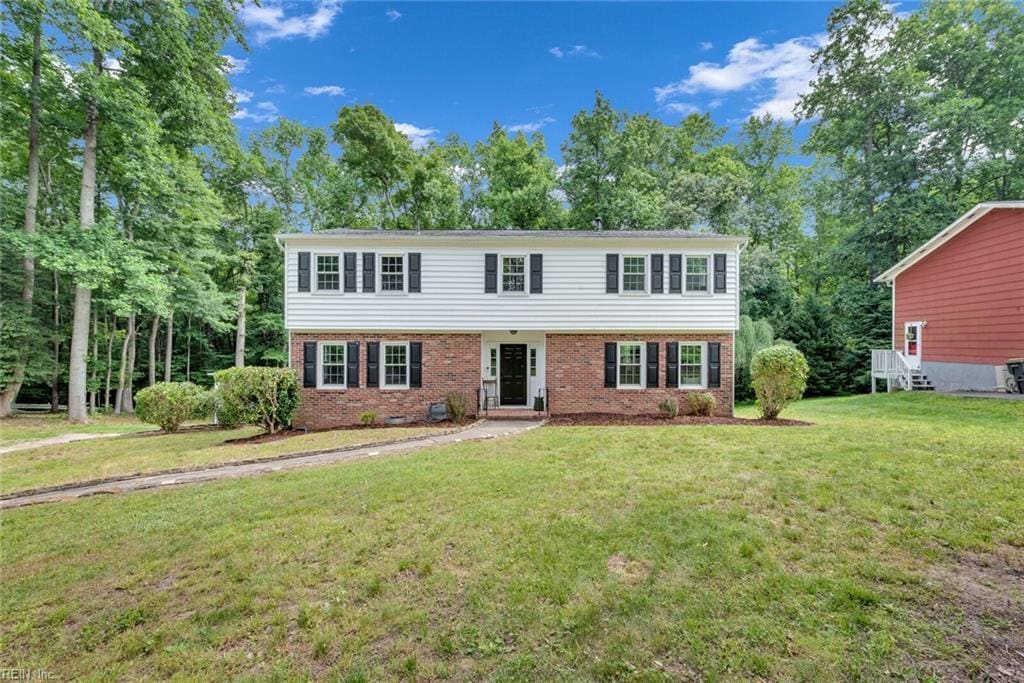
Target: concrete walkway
(487,429)
(55,441)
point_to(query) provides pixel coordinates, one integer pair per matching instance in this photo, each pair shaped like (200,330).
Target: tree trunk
(111,333)
(188,351)
(240,330)
(55,379)
(95,362)
(28,264)
(121,372)
(123,401)
(83,297)
(153,330)
(169,346)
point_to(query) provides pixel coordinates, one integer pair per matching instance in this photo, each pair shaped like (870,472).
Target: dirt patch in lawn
(984,603)
(616,420)
(630,570)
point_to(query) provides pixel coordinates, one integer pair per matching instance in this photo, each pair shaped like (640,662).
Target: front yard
(884,541)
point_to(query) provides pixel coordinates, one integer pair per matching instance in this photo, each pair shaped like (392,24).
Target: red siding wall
(970,291)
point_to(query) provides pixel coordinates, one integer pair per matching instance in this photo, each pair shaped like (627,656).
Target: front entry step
(920,382)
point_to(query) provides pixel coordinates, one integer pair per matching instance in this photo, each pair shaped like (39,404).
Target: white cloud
(705,46)
(393,15)
(276,89)
(330,90)
(270,21)
(419,137)
(235,65)
(242,96)
(531,127)
(266,112)
(784,67)
(573,51)
(684,108)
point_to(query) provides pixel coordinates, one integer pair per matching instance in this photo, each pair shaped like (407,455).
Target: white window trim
(709,276)
(405,274)
(703,365)
(493,359)
(618,365)
(383,366)
(320,366)
(316,273)
(622,275)
(501,275)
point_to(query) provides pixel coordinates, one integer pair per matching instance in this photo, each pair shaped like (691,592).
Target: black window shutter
(652,364)
(671,364)
(350,271)
(611,274)
(490,273)
(369,271)
(536,273)
(414,272)
(657,273)
(372,364)
(309,364)
(675,273)
(720,272)
(352,364)
(611,367)
(714,365)
(416,364)
(304,271)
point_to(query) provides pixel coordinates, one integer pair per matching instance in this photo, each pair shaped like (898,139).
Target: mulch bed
(612,419)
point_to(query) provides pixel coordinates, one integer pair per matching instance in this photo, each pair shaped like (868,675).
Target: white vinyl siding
(452,297)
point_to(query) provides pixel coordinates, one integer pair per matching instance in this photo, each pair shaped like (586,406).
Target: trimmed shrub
(457,406)
(779,377)
(669,407)
(169,404)
(265,397)
(700,403)
(368,418)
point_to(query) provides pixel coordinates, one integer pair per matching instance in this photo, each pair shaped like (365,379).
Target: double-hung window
(630,364)
(392,273)
(396,365)
(332,365)
(691,365)
(328,272)
(696,273)
(634,273)
(513,274)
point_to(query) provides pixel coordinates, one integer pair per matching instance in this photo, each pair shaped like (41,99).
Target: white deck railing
(891,366)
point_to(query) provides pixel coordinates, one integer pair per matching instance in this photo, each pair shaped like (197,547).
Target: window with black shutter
(352,365)
(714,365)
(415,364)
(657,273)
(536,273)
(309,351)
(414,272)
(372,364)
(611,273)
(675,273)
(652,364)
(671,364)
(720,260)
(490,273)
(611,370)
(350,271)
(369,271)
(304,267)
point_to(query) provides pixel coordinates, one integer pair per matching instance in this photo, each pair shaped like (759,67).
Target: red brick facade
(451,362)
(575,375)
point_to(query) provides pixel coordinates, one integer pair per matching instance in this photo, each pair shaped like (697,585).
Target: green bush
(265,397)
(779,376)
(169,404)
(457,405)
(368,418)
(700,403)
(669,407)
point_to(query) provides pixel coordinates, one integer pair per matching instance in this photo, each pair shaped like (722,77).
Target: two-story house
(590,321)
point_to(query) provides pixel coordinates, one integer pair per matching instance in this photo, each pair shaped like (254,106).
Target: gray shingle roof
(476,234)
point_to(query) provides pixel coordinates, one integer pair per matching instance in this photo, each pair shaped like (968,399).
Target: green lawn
(31,427)
(865,547)
(103,458)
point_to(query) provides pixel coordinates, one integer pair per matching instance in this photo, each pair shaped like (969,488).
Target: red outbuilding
(958,304)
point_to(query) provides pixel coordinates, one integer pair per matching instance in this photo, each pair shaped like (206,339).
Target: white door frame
(913,359)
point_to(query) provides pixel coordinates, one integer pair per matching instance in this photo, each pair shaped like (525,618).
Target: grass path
(838,551)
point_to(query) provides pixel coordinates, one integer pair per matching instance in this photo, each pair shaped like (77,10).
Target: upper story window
(634,273)
(392,273)
(328,272)
(513,273)
(332,365)
(630,364)
(696,273)
(691,365)
(396,365)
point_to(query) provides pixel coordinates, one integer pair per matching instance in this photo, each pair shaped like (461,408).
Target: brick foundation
(575,375)
(451,362)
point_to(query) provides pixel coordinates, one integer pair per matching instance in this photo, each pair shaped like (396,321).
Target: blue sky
(456,67)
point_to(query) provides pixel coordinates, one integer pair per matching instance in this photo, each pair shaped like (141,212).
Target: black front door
(513,375)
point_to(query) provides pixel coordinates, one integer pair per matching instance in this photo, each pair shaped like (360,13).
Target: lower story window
(492,367)
(533,362)
(691,365)
(332,365)
(630,364)
(396,365)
